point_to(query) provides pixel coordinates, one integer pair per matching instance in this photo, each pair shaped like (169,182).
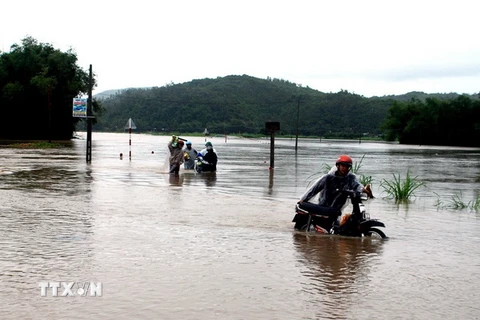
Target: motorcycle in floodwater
(310,217)
(201,165)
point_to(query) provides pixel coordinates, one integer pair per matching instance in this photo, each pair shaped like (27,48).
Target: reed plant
(458,202)
(401,190)
(475,203)
(357,165)
(326,168)
(366,180)
(439,203)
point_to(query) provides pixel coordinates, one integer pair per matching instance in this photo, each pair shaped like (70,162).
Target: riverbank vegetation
(458,202)
(453,122)
(35,145)
(38,83)
(37,87)
(241,105)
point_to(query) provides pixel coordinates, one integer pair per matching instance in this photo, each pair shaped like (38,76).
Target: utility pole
(89,117)
(49,116)
(298,116)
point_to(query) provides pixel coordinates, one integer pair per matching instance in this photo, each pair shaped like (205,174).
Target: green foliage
(36,145)
(326,168)
(37,85)
(242,105)
(458,202)
(420,96)
(365,180)
(401,190)
(475,203)
(357,165)
(435,122)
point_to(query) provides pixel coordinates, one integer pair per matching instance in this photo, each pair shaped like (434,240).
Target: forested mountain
(242,104)
(38,84)
(423,96)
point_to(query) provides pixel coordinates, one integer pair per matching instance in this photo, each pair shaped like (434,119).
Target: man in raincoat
(176,155)
(189,154)
(330,200)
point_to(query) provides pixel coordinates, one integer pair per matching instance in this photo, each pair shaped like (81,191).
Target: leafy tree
(436,122)
(242,104)
(37,85)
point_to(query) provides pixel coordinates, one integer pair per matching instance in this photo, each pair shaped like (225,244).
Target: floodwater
(221,246)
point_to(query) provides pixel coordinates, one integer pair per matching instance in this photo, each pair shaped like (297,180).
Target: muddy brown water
(203,246)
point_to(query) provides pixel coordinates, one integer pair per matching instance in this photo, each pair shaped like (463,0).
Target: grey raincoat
(327,186)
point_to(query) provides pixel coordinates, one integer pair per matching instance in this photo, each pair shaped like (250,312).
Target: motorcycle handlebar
(353,194)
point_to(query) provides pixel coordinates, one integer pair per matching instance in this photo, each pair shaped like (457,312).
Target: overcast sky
(368,47)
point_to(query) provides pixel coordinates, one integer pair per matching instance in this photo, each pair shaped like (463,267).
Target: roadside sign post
(206,134)
(272,127)
(130,125)
(82,108)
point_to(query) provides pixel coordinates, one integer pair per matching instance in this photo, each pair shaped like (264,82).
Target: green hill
(242,104)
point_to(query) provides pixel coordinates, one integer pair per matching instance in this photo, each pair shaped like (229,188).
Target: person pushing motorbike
(330,201)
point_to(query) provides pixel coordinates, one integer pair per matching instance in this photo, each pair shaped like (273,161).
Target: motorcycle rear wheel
(375,233)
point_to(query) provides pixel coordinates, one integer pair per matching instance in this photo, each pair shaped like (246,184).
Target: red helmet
(345,160)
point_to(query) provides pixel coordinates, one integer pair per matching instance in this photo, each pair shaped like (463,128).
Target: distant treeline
(242,105)
(38,83)
(453,122)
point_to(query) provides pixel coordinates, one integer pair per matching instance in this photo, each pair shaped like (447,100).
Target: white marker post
(130,125)
(206,134)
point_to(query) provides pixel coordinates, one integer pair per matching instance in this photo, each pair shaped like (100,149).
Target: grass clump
(364,180)
(36,145)
(357,165)
(401,190)
(457,202)
(474,204)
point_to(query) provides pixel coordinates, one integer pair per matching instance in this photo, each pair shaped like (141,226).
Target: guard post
(272,127)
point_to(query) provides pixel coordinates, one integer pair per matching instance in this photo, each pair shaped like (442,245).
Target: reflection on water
(190,177)
(209,178)
(336,262)
(175,180)
(337,268)
(221,245)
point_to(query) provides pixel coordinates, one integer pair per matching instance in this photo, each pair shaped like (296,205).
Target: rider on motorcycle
(327,186)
